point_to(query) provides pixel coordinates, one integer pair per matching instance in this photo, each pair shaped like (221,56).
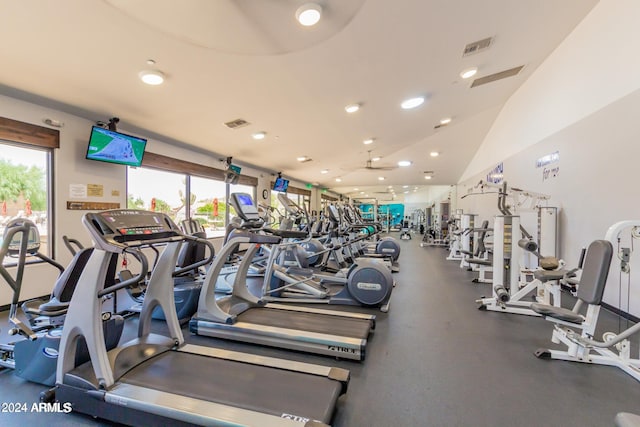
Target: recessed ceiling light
(427,177)
(406,192)
(391,186)
(445,121)
(368,141)
(259,135)
(404,163)
(338,179)
(355,189)
(469,72)
(324,171)
(405,186)
(412,103)
(362,192)
(375,159)
(302,158)
(352,108)
(381,178)
(434,154)
(415,188)
(309,14)
(151,77)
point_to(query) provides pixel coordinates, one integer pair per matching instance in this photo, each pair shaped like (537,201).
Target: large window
(158,191)
(209,206)
(300,196)
(24,188)
(326,200)
(163,191)
(26,153)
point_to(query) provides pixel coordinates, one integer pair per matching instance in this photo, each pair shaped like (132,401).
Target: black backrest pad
(191,251)
(66,283)
(595,271)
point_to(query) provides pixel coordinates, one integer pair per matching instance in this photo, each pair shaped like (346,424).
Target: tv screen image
(115,147)
(281,185)
(245,199)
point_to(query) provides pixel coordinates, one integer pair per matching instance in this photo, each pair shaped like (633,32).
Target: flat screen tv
(115,147)
(232,174)
(281,185)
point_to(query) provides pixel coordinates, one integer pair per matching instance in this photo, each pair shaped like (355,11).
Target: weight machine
(436,231)
(455,231)
(576,328)
(510,284)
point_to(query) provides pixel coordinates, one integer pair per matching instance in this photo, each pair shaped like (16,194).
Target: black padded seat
(546,275)
(53,307)
(557,313)
(625,419)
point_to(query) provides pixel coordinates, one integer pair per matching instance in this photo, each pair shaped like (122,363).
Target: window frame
(188,170)
(35,137)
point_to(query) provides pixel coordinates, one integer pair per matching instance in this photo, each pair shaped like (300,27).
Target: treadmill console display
(129,224)
(243,203)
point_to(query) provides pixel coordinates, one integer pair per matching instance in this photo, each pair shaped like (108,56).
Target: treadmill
(159,380)
(242,316)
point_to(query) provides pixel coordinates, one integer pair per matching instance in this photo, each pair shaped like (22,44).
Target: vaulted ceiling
(250,59)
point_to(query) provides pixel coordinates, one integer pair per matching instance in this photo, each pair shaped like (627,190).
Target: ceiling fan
(369,164)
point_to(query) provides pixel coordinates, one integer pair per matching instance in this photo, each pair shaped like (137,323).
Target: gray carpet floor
(435,360)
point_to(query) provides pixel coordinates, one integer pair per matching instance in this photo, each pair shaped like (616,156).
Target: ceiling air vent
(476,47)
(497,76)
(237,123)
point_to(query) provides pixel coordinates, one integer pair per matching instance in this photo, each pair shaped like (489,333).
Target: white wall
(583,102)
(593,67)
(594,186)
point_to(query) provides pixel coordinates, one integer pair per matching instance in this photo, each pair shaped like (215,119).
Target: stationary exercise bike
(34,354)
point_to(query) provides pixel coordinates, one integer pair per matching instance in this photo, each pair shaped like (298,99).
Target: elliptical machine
(34,356)
(367,282)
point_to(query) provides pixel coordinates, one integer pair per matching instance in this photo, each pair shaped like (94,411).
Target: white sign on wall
(496,175)
(548,159)
(77,191)
(544,162)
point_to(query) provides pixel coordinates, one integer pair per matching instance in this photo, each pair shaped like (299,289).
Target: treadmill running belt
(309,322)
(269,390)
